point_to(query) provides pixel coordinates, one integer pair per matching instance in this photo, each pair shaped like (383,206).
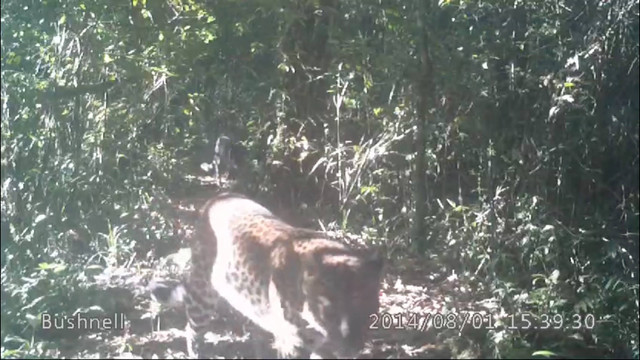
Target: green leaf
(34,302)
(545,353)
(33,320)
(56,268)
(547,227)
(39,218)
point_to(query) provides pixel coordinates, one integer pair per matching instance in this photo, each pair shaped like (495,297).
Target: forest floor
(413,290)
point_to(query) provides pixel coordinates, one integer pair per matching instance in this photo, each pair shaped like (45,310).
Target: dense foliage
(499,139)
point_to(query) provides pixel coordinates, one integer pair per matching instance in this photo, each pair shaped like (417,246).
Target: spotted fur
(311,293)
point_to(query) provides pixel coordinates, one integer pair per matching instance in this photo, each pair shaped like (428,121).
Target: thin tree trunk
(425,90)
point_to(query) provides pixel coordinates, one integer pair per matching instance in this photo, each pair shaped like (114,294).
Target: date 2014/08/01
(459,321)
(422,322)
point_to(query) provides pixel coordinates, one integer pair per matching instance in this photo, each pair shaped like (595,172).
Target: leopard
(312,293)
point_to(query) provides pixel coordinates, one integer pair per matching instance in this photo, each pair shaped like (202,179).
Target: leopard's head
(341,292)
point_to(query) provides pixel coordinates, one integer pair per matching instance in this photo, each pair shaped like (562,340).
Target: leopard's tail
(167,292)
